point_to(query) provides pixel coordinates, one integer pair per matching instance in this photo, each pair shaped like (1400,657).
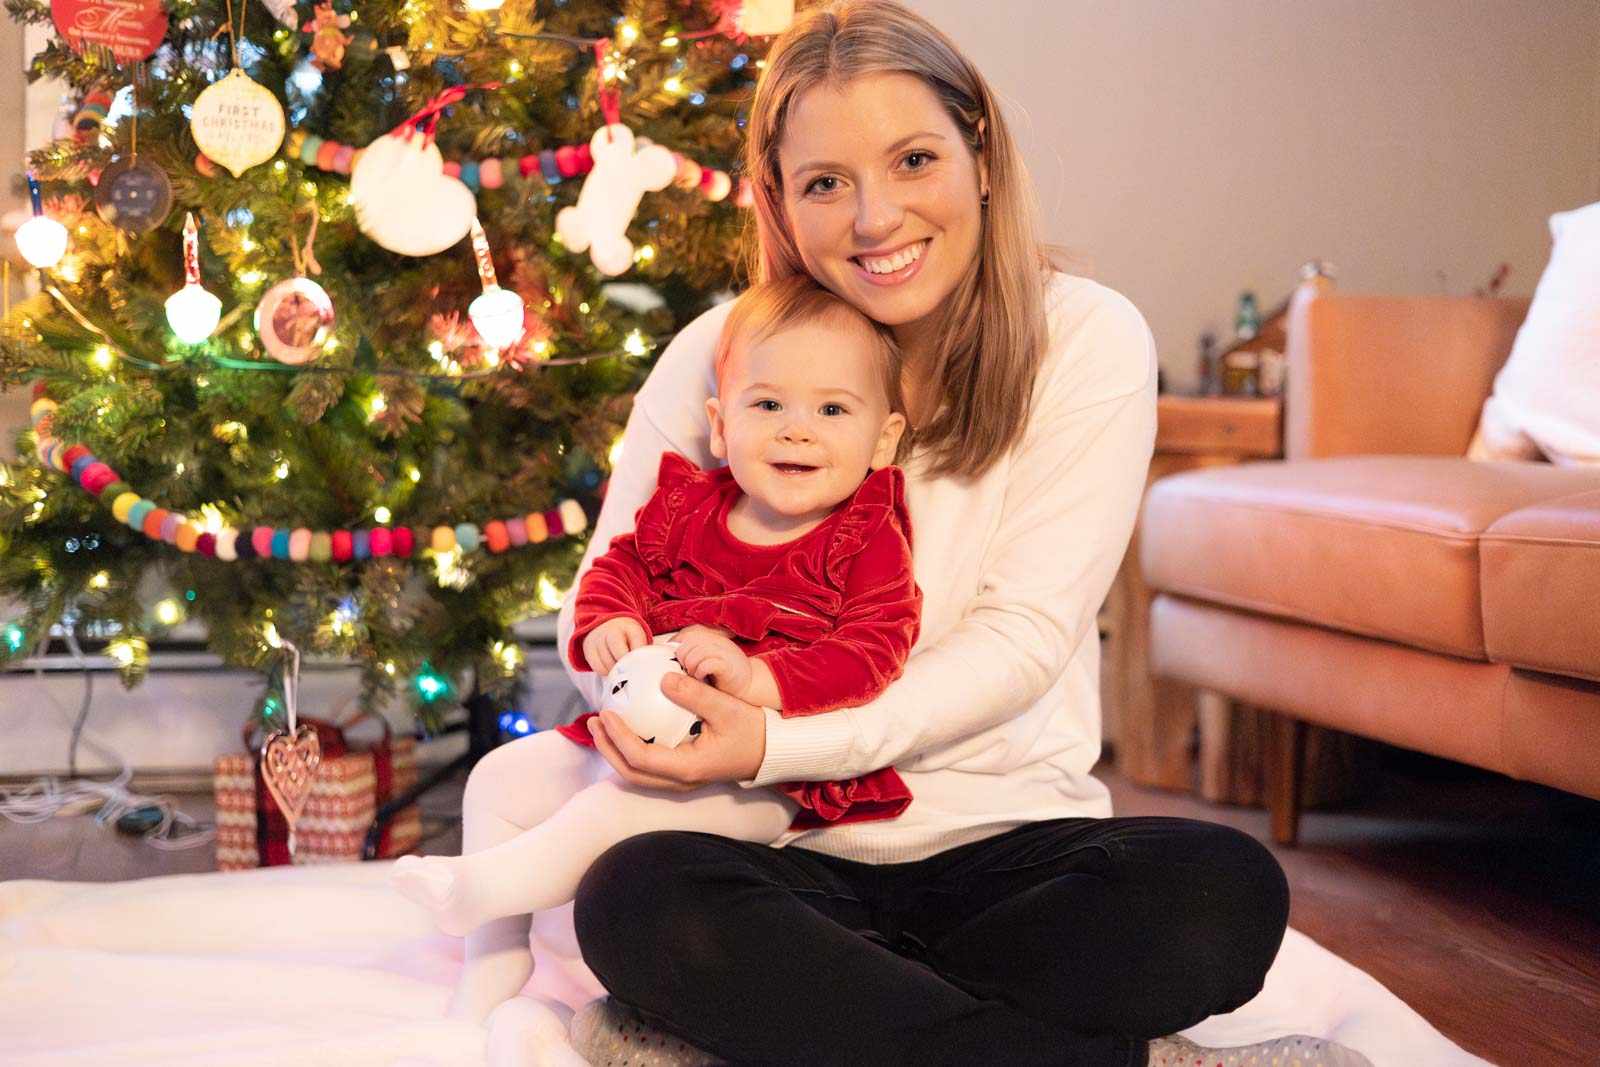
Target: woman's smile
(894,267)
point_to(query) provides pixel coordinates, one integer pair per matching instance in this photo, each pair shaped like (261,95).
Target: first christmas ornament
(130,29)
(192,312)
(237,122)
(133,194)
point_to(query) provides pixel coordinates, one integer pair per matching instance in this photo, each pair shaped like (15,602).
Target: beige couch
(1376,582)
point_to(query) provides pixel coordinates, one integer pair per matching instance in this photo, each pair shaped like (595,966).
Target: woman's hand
(711,656)
(730,748)
(612,640)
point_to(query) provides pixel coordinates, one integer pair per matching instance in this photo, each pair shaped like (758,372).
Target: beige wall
(1193,148)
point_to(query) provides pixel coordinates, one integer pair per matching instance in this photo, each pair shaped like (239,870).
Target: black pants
(1069,942)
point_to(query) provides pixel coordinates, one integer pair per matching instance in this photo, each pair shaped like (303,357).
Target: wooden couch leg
(1286,769)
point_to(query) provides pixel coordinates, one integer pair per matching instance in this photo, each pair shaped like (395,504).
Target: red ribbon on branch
(434,109)
(610,97)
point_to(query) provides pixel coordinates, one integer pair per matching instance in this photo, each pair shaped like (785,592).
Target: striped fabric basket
(345,795)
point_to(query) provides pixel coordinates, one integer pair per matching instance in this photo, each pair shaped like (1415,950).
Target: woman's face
(881,194)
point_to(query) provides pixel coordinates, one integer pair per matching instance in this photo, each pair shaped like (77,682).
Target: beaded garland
(297,545)
(554,165)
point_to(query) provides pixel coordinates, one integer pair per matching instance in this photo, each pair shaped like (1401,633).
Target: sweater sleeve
(1072,495)
(868,645)
(616,586)
(668,416)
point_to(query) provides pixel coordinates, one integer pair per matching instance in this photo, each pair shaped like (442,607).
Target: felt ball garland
(297,545)
(553,165)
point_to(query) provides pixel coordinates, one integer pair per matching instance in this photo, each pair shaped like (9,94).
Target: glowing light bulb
(41,240)
(168,612)
(101,358)
(100,580)
(381,516)
(192,312)
(635,345)
(497,315)
(615,455)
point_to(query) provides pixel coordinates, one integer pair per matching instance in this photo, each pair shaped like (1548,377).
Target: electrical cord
(47,796)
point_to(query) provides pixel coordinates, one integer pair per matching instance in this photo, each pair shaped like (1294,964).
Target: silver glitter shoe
(1296,1050)
(607,1034)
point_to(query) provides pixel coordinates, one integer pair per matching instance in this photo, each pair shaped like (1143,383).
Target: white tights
(536,813)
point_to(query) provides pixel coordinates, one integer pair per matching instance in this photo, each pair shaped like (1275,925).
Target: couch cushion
(1385,546)
(1541,586)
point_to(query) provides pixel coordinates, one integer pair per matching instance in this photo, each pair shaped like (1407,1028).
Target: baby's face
(803,419)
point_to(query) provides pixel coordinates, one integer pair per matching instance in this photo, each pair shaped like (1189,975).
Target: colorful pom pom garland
(297,545)
(554,165)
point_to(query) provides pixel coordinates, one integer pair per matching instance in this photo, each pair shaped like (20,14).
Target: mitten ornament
(403,198)
(633,690)
(599,221)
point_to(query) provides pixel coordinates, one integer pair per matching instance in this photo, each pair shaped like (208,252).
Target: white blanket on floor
(327,965)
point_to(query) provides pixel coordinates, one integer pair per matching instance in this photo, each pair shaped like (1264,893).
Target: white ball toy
(610,196)
(633,690)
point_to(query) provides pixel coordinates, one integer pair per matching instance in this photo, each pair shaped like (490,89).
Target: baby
(786,576)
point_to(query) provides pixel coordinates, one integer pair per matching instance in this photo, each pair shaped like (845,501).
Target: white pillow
(1546,400)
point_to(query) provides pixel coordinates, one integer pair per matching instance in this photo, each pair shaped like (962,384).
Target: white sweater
(996,720)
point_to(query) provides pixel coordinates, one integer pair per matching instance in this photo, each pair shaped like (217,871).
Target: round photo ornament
(295,317)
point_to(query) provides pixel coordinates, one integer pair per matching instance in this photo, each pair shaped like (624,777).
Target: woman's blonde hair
(771,307)
(994,335)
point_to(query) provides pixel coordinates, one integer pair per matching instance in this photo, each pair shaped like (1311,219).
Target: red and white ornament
(192,312)
(623,172)
(131,29)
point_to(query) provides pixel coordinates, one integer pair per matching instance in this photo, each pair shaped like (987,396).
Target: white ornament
(237,123)
(633,690)
(610,196)
(762,18)
(405,201)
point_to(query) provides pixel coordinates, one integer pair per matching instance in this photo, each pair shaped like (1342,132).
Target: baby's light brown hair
(772,307)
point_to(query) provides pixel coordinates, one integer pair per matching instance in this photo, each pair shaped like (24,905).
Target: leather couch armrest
(1402,375)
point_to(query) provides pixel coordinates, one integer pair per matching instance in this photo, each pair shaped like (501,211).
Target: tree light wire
(48,797)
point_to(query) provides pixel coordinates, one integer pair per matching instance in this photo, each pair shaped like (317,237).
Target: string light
(377,405)
(100,580)
(169,612)
(192,312)
(381,515)
(41,239)
(614,456)
(127,651)
(635,345)
(102,358)
(549,596)
(15,637)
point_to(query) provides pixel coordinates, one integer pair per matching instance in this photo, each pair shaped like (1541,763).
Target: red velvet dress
(833,614)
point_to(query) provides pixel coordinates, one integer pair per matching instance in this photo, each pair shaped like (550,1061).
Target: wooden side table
(1153,720)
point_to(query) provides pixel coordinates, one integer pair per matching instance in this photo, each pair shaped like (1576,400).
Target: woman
(1005,917)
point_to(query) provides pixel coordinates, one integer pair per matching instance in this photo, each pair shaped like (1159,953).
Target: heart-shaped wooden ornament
(288,765)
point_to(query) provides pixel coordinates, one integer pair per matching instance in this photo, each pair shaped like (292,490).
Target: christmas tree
(295,378)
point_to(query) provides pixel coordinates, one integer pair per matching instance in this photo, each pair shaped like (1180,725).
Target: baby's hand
(612,640)
(712,657)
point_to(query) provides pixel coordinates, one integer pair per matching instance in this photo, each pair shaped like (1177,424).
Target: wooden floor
(1474,898)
